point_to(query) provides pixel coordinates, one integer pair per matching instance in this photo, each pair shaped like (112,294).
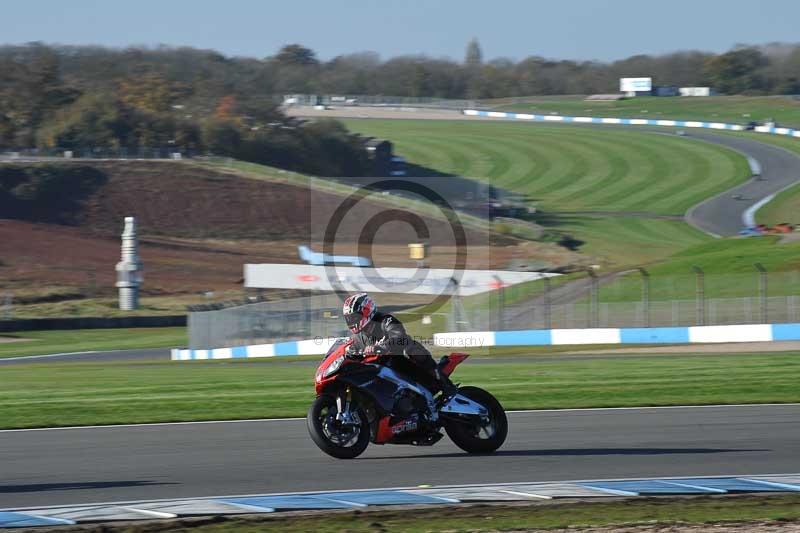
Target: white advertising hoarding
(390,280)
(635,85)
(695,91)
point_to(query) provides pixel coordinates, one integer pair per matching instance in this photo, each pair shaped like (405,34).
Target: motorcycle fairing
(452,361)
(390,375)
(461,405)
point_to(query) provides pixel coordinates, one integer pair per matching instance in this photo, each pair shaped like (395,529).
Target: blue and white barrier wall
(629,121)
(669,335)
(531,337)
(318,346)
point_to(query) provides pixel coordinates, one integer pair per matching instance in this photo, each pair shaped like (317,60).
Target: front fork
(343,413)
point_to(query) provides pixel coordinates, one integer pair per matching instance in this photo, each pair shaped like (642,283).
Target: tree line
(200,100)
(94,99)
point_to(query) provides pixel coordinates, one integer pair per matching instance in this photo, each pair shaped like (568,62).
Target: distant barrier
(674,335)
(532,337)
(629,121)
(318,346)
(39,324)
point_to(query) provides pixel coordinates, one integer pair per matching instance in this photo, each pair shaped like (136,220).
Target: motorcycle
(359,400)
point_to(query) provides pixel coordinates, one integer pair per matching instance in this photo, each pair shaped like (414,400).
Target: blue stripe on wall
(239,351)
(653,335)
(786,332)
(523,337)
(286,348)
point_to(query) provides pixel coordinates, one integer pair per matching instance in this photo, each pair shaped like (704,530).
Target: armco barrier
(531,337)
(629,121)
(317,346)
(676,335)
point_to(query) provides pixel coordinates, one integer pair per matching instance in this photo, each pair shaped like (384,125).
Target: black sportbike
(360,400)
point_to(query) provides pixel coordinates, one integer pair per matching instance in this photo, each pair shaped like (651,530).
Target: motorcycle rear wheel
(474,437)
(325,431)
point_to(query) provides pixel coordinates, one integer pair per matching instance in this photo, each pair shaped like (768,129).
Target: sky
(564,29)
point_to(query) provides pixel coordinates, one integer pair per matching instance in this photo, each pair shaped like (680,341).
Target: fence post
(456,307)
(762,291)
(700,296)
(8,307)
(501,302)
(594,310)
(548,316)
(645,295)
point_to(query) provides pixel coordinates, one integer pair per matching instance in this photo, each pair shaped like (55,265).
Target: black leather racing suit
(405,355)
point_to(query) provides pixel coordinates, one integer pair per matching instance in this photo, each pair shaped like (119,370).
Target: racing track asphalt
(89,465)
(90,357)
(723,214)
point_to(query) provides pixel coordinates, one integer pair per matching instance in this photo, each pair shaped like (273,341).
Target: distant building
(664,90)
(636,86)
(696,91)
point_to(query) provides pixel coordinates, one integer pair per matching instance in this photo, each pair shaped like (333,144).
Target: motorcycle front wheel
(475,435)
(343,441)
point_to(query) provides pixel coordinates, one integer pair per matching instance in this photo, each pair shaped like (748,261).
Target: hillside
(199,224)
(191,200)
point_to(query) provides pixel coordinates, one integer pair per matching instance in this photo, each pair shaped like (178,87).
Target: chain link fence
(630,299)
(349,100)
(292,319)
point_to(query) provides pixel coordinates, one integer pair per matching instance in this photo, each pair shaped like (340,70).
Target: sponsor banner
(434,281)
(627,85)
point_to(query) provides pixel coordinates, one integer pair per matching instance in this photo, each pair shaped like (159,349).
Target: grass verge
(735,109)
(729,270)
(65,394)
(84,340)
(711,511)
(784,208)
(621,193)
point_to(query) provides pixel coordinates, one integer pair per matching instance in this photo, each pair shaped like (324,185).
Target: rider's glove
(352,352)
(375,349)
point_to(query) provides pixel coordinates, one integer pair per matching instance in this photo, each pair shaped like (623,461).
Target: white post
(129,269)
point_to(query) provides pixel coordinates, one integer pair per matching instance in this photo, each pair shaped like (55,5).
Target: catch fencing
(576,301)
(353,100)
(309,317)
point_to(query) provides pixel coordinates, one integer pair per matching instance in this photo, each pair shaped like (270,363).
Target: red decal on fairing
(384,433)
(454,359)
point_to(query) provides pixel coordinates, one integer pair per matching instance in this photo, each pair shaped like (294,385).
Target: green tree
(94,121)
(222,137)
(150,92)
(295,55)
(737,71)
(474,56)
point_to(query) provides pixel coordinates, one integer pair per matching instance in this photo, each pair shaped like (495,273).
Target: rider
(376,333)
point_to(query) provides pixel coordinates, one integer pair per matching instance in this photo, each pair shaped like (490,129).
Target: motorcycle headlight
(333,367)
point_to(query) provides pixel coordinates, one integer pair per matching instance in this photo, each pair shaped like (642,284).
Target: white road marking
(133,504)
(22,358)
